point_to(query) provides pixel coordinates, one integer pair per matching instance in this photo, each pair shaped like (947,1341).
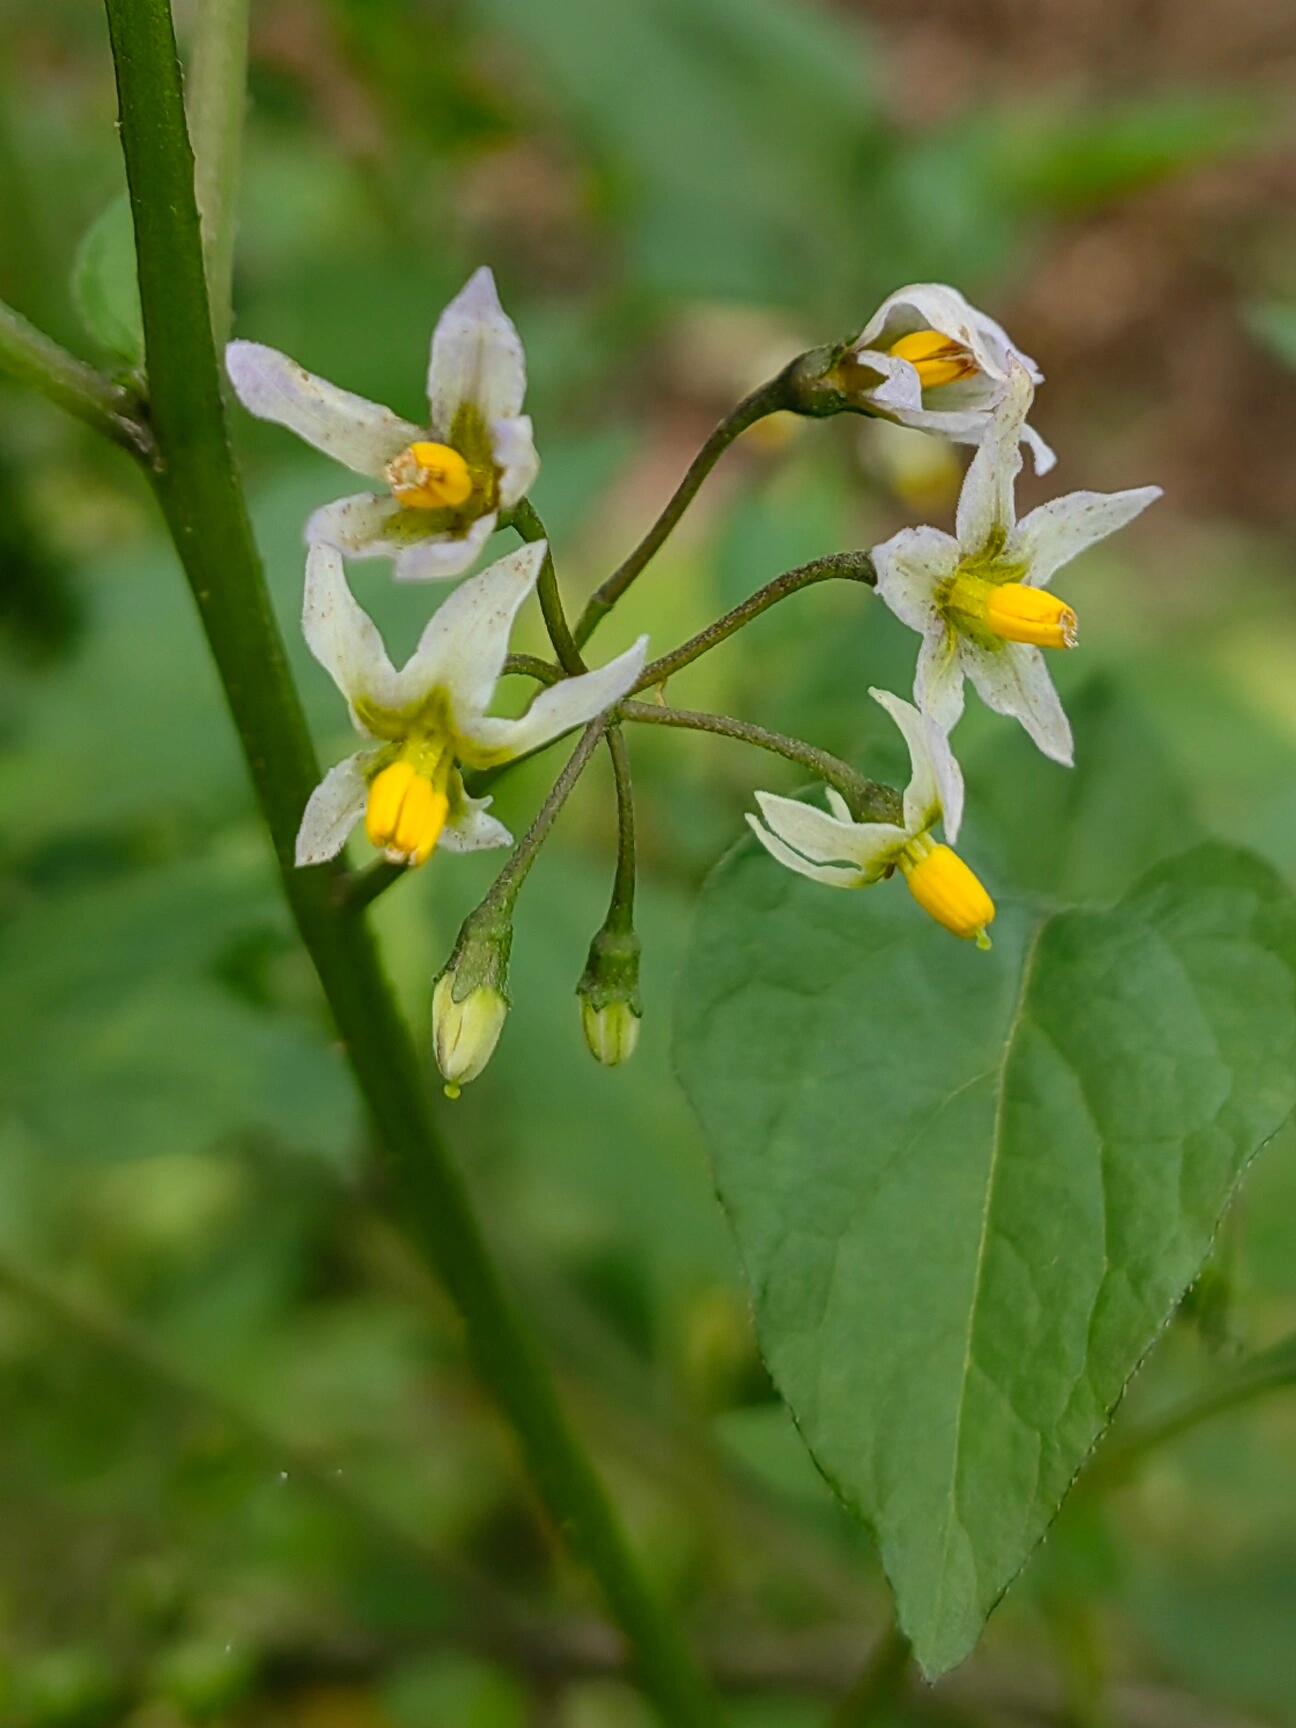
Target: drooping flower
(838,851)
(980,600)
(429,718)
(444,483)
(929,359)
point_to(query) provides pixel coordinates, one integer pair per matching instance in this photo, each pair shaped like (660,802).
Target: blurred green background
(243,1468)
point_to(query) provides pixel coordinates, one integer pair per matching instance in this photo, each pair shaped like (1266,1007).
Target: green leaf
(104,287)
(969,1190)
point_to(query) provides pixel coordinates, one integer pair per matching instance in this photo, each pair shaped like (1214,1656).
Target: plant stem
(524,518)
(34,359)
(621,911)
(1270,1371)
(217,87)
(201,497)
(871,801)
(768,399)
(503,890)
(852,566)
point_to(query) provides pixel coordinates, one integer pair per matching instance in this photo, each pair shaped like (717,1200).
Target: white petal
(341,634)
(488,740)
(898,389)
(1056,532)
(1043,456)
(910,567)
(363,435)
(356,525)
(986,511)
(468,828)
(513,447)
(935,788)
(333,809)
(937,306)
(441,557)
(476,357)
(938,678)
(832,875)
(463,648)
(823,839)
(1014,680)
(837,804)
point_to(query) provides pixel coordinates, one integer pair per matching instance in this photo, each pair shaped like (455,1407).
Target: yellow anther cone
(430,476)
(1020,613)
(950,893)
(937,359)
(406,813)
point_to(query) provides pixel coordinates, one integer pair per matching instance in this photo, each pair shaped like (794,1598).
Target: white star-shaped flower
(444,483)
(929,359)
(979,601)
(842,853)
(430,717)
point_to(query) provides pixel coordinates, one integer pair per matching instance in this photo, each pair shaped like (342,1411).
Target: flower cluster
(978,598)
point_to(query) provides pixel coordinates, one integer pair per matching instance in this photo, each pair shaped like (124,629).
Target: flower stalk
(203,503)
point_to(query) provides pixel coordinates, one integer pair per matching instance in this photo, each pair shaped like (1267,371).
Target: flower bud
(470,1000)
(465,1032)
(609,993)
(611,1031)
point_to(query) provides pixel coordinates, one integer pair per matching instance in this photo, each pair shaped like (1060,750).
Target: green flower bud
(470,1000)
(611,1031)
(609,994)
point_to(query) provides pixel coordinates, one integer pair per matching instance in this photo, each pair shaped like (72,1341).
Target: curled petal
(468,827)
(333,809)
(937,306)
(489,740)
(1060,530)
(476,357)
(826,839)
(831,875)
(341,634)
(513,446)
(910,567)
(986,509)
(463,648)
(1014,680)
(935,788)
(441,557)
(362,435)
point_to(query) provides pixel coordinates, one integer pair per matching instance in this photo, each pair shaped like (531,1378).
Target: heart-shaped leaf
(969,1189)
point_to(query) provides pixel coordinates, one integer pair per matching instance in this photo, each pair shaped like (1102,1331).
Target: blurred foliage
(240,1455)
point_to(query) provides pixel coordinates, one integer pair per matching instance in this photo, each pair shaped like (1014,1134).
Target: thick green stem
(848,566)
(34,359)
(768,399)
(870,801)
(204,506)
(217,88)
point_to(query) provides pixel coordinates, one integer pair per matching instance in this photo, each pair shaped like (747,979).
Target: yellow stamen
(406,813)
(948,891)
(935,358)
(430,477)
(1022,614)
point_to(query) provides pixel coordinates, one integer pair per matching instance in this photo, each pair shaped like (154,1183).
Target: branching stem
(34,359)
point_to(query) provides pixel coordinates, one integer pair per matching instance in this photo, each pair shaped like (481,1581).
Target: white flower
(445,483)
(928,359)
(978,600)
(842,853)
(430,717)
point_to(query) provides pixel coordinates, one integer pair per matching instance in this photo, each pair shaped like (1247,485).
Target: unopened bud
(611,1031)
(609,994)
(465,1032)
(470,1001)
